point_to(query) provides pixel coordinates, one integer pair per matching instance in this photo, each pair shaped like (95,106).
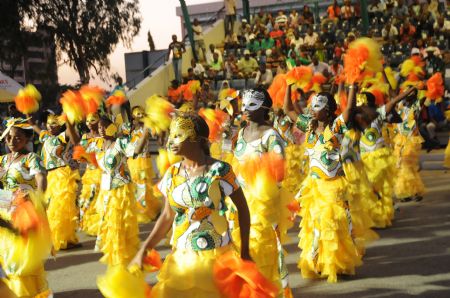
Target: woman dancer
(141,169)
(256,139)
(327,245)
(23,252)
(89,218)
(195,191)
(407,144)
(62,181)
(118,228)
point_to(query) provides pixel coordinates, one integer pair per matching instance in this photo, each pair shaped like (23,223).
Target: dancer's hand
(246,256)
(137,260)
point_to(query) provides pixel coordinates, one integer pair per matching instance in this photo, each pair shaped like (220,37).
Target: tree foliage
(151,43)
(87,31)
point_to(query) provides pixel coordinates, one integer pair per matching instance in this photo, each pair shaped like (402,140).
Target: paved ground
(411,259)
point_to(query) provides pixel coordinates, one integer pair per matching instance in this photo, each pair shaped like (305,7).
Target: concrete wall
(159,81)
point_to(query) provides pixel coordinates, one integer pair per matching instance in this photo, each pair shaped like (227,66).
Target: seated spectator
(377,9)
(303,58)
(291,61)
(210,54)
(261,17)
(347,11)
(433,7)
(293,48)
(231,68)
(425,25)
(415,8)
(198,38)
(333,11)
(190,75)
(205,97)
(254,46)
(282,68)
(433,63)
(231,42)
(336,68)
(311,38)
(247,65)
(216,67)
(297,41)
(281,20)
(319,67)
(442,26)
(434,120)
(267,43)
(407,31)
(320,51)
(263,77)
(293,17)
(338,50)
(173,94)
(273,58)
(307,15)
(389,31)
(328,38)
(400,10)
(198,69)
(350,38)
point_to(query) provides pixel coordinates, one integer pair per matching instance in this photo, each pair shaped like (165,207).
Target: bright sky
(159,17)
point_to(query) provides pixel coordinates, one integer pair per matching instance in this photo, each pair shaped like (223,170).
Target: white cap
(415,51)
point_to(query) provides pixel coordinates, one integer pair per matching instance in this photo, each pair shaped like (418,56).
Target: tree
(151,44)
(13,37)
(86,32)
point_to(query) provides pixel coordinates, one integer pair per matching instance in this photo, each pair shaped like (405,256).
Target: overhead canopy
(8,88)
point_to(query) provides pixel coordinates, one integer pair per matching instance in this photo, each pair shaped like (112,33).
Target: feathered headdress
(158,114)
(362,58)
(27,100)
(435,87)
(216,122)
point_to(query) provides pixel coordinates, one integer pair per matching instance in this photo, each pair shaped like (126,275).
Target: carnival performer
(376,156)
(195,191)
(25,240)
(407,144)
(258,137)
(89,218)
(62,180)
(327,245)
(141,170)
(118,228)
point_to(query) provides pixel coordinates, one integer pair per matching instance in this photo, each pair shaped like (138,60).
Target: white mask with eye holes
(252,100)
(318,103)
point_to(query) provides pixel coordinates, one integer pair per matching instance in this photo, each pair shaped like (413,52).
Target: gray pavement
(412,258)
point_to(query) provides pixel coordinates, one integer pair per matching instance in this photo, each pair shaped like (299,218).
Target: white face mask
(252,100)
(318,103)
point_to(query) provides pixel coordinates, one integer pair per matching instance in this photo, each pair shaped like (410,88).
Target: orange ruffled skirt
(89,218)
(148,206)
(380,168)
(62,211)
(408,182)
(118,231)
(325,239)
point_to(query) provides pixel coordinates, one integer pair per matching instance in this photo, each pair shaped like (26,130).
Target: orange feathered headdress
(27,100)
(362,58)
(216,120)
(435,87)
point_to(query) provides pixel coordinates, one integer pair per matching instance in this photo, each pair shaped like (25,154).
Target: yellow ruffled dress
(363,201)
(327,245)
(62,211)
(379,165)
(22,257)
(89,218)
(408,143)
(201,233)
(118,227)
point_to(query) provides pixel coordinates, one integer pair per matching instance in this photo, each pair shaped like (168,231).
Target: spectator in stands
(434,120)
(190,75)
(336,68)
(307,15)
(198,38)
(281,20)
(230,16)
(333,11)
(442,27)
(433,63)
(282,68)
(338,50)
(433,8)
(291,60)
(210,54)
(261,17)
(415,9)
(247,65)
(293,17)
(173,94)
(311,38)
(198,69)
(320,51)
(407,31)
(319,67)
(389,31)
(267,43)
(347,11)
(263,77)
(231,68)
(377,9)
(216,67)
(254,46)
(205,96)
(296,40)
(177,49)
(400,10)
(425,25)
(328,38)
(350,38)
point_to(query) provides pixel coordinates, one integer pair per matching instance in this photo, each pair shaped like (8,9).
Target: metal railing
(131,84)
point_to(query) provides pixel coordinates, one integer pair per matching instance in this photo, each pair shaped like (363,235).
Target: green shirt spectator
(254,46)
(267,43)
